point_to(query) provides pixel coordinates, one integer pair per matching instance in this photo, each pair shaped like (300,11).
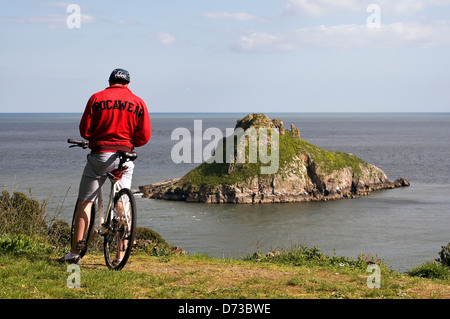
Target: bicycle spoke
(121,230)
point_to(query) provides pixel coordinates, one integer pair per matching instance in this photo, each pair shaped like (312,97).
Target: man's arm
(143,130)
(86,121)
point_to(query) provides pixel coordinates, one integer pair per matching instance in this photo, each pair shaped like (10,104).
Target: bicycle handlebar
(78,143)
(125,156)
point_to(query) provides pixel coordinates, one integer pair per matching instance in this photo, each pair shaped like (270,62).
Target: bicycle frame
(101,218)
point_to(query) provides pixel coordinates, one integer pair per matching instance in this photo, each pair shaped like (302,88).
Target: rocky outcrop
(306,173)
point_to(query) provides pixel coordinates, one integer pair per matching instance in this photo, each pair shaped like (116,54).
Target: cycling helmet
(120,75)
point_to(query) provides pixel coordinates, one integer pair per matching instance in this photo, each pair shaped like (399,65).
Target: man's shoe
(73,260)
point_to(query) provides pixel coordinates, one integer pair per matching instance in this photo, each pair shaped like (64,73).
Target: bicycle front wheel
(121,230)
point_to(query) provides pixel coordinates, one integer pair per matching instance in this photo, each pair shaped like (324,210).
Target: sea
(404,227)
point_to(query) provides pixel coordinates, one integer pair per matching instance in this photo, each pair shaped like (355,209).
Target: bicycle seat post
(125,157)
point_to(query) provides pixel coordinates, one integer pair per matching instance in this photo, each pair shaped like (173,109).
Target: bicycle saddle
(131,156)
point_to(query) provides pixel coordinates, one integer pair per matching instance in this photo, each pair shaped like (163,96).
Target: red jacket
(115,119)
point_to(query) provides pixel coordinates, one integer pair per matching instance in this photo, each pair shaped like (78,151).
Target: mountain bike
(118,225)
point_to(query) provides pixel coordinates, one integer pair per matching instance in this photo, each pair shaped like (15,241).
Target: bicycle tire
(90,232)
(117,228)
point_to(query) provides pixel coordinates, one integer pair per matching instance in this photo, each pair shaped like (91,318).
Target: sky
(228,56)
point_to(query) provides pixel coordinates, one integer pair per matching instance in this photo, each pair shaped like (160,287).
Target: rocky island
(305,172)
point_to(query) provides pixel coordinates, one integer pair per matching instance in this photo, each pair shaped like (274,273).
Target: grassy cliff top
(296,272)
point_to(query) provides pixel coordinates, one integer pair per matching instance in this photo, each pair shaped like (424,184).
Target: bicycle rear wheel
(121,230)
(88,234)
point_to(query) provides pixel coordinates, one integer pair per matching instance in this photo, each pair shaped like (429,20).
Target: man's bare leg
(120,242)
(81,223)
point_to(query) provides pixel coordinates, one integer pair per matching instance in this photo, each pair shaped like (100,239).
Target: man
(115,120)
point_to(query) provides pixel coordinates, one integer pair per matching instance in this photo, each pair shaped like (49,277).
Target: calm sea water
(405,227)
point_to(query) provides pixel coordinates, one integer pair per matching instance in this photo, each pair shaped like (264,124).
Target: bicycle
(118,229)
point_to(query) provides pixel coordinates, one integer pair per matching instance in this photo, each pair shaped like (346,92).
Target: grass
(295,273)
(158,270)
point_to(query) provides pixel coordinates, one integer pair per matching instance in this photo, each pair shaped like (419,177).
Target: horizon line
(271,112)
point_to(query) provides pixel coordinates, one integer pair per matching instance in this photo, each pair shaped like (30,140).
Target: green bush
(431,270)
(438,269)
(299,255)
(20,214)
(149,234)
(59,234)
(445,255)
(150,242)
(23,244)
(24,229)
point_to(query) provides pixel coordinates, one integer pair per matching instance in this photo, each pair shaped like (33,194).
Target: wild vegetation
(30,240)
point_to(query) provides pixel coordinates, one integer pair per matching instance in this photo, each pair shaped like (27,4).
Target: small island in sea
(304,172)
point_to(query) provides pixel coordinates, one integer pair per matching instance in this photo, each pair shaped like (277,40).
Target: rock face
(305,173)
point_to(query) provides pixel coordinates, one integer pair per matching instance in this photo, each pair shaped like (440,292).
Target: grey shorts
(94,174)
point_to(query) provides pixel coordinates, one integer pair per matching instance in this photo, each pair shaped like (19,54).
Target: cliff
(303,172)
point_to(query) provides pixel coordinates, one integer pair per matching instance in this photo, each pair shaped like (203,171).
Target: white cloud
(350,36)
(346,37)
(53,21)
(410,6)
(55,4)
(321,8)
(265,42)
(166,38)
(238,16)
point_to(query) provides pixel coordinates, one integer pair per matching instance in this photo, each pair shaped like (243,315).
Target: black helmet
(120,76)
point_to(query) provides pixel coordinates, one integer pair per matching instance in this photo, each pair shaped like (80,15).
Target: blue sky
(229,56)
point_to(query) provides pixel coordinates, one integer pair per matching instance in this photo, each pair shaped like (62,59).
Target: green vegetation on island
(215,174)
